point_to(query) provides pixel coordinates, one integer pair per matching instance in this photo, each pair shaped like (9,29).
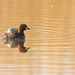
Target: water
(50,40)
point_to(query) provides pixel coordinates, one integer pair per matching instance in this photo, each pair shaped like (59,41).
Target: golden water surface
(49,48)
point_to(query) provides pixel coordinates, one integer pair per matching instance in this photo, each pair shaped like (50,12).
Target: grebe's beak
(27,28)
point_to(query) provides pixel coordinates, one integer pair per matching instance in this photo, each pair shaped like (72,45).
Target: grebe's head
(24,27)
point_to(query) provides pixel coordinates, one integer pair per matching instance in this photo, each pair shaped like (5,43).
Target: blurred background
(51,38)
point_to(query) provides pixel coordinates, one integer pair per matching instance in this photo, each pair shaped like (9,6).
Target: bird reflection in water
(16,43)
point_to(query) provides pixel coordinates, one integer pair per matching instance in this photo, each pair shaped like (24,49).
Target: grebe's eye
(25,26)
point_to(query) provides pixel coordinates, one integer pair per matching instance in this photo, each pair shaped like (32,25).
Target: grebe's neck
(20,30)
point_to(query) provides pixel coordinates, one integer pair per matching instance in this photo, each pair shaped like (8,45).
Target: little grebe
(15,33)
